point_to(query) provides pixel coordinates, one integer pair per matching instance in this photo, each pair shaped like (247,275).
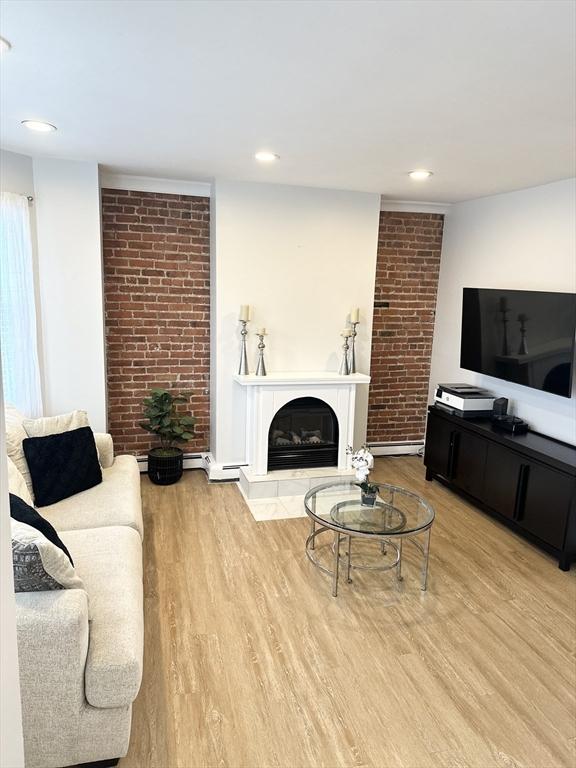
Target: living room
(287,322)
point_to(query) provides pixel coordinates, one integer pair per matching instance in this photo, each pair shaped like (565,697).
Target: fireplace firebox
(304,433)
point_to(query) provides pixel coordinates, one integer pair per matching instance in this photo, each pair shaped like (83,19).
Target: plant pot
(368,499)
(165,465)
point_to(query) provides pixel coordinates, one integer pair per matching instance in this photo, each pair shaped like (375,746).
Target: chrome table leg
(348,579)
(336,563)
(399,566)
(312,530)
(426,555)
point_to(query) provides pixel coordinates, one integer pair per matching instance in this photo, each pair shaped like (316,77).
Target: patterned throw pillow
(62,465)
(25,513)
(38,564)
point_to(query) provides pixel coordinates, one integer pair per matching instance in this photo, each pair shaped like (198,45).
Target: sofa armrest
(105,447)
(52,632)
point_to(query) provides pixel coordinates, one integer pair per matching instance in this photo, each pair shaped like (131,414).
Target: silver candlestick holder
(261,367)
(353,334)
(243,369)
(344,366)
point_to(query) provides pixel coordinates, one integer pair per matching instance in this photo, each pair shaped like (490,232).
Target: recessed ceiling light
(39,125)
(420,174)
(266,157)
(5,45)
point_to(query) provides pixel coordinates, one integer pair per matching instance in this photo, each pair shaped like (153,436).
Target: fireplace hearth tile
(287,482)
(267,509)
(293,487)
(280,508)
(294,474)
(262,490)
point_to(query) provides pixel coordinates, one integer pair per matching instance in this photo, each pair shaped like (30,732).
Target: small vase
(368,499)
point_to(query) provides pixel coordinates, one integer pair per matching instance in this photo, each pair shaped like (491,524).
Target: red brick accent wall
(156,250)
(407,267)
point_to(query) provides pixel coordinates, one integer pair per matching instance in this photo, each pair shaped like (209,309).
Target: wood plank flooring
(250,663)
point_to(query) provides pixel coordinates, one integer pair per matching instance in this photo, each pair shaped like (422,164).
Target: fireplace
(267,398)
(303,434)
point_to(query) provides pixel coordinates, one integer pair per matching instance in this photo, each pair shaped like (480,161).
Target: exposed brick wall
(157,306)
(407,267)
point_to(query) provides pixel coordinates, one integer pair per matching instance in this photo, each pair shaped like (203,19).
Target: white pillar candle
(346,332)
(261,332)
(355,315)
(244,312)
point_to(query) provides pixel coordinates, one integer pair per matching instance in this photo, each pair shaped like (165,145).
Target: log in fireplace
(304,433)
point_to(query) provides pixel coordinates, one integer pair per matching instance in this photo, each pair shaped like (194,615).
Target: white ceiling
(352,95)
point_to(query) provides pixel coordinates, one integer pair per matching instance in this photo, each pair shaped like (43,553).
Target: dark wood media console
(527,481)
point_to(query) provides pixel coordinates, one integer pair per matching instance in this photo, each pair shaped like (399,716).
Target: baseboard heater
(400,448)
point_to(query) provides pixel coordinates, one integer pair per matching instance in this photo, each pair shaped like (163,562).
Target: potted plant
(369,493)
(362,462)
(166,462)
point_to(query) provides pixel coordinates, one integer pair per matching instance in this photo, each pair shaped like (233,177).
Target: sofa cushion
(15,433)
(55,425)
(116,501)
(105,448)
(109,560)
(17,484)
(39,565)
(62,465)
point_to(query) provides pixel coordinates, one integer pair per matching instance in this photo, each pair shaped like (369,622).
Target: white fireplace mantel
(322,377)
(265,395)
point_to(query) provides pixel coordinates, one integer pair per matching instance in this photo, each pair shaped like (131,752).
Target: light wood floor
(250,663)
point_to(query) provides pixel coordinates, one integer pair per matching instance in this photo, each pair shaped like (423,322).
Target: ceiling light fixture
(5,45)
(266,157)
(420,174)
(39,125)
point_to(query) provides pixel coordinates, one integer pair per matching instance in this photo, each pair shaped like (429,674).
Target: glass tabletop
(396,511)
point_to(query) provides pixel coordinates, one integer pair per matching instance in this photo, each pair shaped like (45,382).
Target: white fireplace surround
(265,395)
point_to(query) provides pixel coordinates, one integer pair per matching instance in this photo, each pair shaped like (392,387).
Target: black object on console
(511,424)
(500,407)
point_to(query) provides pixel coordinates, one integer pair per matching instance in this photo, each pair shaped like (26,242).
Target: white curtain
(18,337)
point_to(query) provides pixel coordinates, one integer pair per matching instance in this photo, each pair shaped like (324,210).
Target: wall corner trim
(413,206)
(111,180)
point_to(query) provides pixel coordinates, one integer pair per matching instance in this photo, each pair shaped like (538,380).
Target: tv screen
(522,336)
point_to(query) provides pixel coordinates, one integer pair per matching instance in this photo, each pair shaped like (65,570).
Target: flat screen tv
(522,336)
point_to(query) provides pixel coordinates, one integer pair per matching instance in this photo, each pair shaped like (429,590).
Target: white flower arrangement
(362,462)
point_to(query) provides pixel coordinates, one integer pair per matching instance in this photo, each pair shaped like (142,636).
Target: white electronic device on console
(468,401)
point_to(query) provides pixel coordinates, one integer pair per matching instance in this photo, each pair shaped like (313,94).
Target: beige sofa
(80,650)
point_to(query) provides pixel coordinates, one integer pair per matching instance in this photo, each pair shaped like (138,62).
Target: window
(18,341)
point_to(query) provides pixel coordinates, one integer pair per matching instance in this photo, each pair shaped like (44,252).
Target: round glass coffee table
(397,514)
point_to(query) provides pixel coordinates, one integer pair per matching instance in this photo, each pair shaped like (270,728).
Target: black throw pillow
(24,513)
(62,465)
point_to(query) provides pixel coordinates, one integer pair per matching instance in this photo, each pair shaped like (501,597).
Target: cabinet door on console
(546,504)
(438,451)
(469,462)
(502,478)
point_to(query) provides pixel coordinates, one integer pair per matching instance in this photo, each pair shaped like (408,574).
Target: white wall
(16,174)
(302,258)
(524,240)
(67,202)
(11,745)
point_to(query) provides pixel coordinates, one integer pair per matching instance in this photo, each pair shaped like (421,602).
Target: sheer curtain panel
(18,338)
